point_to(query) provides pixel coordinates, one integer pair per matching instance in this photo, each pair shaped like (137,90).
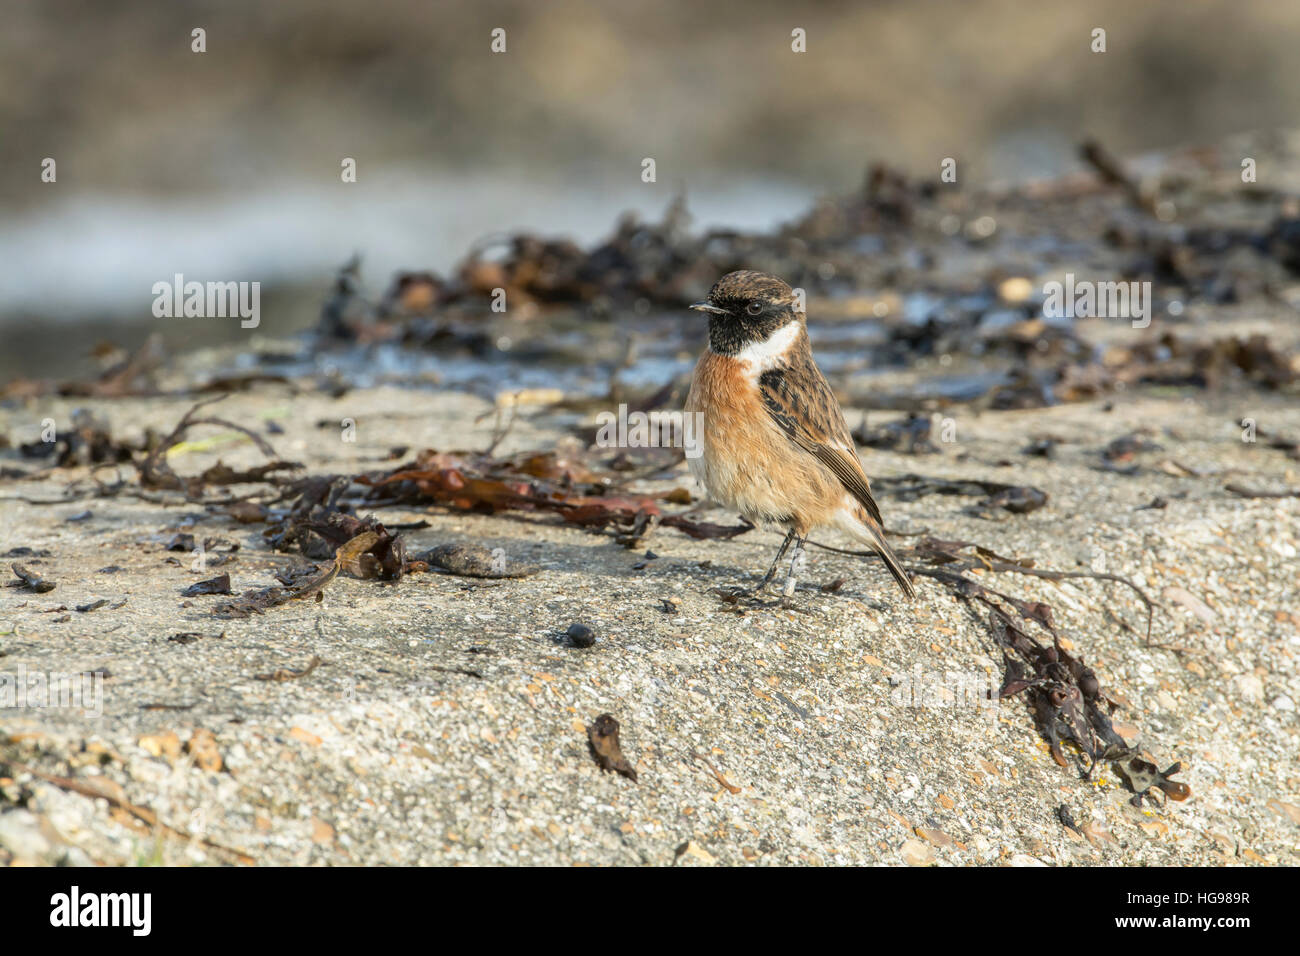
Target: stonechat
(775,445)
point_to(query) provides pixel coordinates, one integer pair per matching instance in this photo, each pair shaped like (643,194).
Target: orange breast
(747,462)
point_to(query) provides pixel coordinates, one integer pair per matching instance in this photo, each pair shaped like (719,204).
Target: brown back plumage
(801,402)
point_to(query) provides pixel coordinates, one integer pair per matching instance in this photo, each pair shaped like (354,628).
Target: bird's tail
(863,527)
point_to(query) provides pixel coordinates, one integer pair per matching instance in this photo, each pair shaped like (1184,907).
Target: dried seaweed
(474,561)
(281,674)
(948,553)
(1017,499)
(313,500)
(1112,173)
(714,772)
(910,436)
(602,735)
(221,474)
(30,580)
(1246,492)
(87,442)
(1065,695)
(1169,359)
(132,376)
(534,482)
(156,473)
(1143,776)
(218,585)
(371,553)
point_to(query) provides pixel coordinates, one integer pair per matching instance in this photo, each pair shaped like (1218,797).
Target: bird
(774,443)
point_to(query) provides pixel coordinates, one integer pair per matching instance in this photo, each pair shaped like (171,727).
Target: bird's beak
(708,307)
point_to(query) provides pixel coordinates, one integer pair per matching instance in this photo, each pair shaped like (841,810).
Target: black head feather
(752,306)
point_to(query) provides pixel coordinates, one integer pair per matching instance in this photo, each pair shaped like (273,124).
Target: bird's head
(747,307)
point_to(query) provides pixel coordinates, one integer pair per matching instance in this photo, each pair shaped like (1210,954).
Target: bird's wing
(800,401)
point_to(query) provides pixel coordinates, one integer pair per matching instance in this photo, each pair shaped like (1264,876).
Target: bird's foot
(749,596)
(790,604)
(754,598)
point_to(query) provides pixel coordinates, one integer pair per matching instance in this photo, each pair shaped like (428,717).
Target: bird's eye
(754,308)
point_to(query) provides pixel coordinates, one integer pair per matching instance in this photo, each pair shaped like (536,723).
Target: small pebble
(916,853)
(1284,703)
(181,542)
(580,635)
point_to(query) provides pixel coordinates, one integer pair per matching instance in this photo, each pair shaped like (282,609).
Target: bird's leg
(797,563)
(771,572)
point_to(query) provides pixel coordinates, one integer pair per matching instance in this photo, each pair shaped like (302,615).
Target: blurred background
(226,165)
